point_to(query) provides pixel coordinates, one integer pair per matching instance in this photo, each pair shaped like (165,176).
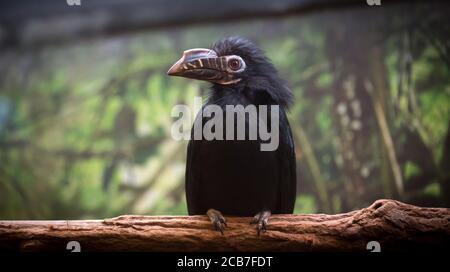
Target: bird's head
(236,63)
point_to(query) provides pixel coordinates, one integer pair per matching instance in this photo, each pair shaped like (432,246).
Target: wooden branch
(395,225)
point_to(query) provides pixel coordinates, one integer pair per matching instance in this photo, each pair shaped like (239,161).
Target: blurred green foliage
(85,128)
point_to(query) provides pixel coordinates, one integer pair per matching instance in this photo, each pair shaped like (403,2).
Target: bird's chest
(232,153)
(237,177)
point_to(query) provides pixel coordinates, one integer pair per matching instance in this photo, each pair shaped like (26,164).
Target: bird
(235,177)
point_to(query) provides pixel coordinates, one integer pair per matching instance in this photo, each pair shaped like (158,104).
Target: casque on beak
(205,64)
(192,59)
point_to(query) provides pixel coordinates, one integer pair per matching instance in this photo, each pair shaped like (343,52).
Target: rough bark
(395,225)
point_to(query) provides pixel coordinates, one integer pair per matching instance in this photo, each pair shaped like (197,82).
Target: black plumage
(235,177)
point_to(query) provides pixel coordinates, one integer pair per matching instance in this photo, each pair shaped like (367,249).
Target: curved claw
(219,226)
(262,226)
(255,219)
(262,219)
(217,219)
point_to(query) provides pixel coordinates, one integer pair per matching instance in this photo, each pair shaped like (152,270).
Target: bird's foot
(217,219)
(262,221)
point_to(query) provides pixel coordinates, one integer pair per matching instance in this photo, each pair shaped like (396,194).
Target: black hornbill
(233,176)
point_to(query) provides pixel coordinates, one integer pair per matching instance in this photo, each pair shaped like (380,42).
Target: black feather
(260,73)
(236,177)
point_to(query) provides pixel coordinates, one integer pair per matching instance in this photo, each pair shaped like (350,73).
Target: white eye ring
(233,58)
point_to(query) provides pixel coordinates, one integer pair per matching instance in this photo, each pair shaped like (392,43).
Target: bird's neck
(239,95)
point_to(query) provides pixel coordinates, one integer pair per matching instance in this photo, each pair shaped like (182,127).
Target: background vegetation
(85,127)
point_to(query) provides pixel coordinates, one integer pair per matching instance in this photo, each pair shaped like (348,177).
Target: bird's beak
(191,60)
(202,64)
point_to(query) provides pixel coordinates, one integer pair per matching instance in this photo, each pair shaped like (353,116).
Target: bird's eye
(234,64)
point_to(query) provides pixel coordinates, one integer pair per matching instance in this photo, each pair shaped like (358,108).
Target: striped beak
(204,64)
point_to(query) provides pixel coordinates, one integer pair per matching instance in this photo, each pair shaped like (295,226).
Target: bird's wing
(189,178)
(288,175)
(192,182)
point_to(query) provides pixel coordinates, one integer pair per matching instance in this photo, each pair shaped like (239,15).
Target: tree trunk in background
(445,167)
(394,225)
(346,49)
(314,168)
(378,94)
